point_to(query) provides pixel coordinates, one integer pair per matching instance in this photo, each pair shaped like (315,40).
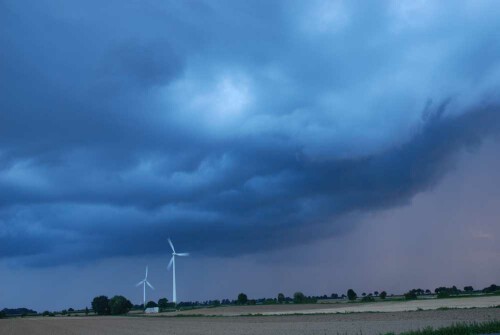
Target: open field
(354,323)
(386,306)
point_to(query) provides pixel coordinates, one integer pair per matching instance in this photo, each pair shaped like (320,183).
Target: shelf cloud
(233,125)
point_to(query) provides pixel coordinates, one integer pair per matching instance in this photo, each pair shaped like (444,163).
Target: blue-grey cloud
(229,125)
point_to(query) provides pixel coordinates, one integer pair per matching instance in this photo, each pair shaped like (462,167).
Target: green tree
(86,311)
(443,294)
(468,289)
(491,289)
(281,298)
(351,295)
(163,303)
(383,295)
(411,295)
(100,305)
(2,314)
(299,298)
(368,298)
(64,312)
(151,304)
(119,305)
(242,299)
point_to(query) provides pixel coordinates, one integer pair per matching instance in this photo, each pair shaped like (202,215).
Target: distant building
(151,310)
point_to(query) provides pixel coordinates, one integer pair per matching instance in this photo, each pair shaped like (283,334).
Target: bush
(100,305)
(491,289)
(368,298)
(299,297)
(2,314)
(468,289)
(458,329)
(351,295)
(18,311)
(242,299)
(443,294)
(163,303)
(412,295)
(119,305)
(151,304)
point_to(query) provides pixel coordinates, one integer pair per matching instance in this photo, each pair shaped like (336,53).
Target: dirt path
(355,323)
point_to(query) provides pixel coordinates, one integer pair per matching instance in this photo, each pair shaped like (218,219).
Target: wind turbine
(144,282)
(171,264)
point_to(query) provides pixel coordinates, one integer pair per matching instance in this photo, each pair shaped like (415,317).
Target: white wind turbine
(144,282)
(172,263)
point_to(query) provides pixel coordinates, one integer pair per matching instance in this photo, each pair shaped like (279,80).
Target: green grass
(458,329)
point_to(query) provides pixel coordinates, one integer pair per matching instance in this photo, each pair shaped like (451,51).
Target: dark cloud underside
(228,125)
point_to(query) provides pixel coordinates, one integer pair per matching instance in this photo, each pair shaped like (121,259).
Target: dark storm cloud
(228,124)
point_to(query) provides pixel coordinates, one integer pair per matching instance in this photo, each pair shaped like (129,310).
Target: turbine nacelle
(145,282)
(180,254)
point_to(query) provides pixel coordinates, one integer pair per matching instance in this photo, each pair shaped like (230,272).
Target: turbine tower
(171,264)
(144,282)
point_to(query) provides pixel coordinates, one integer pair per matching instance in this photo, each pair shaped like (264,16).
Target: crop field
(385,306)
(349,323)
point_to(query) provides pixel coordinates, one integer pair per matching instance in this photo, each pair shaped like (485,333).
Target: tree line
(445,292)
(102,305)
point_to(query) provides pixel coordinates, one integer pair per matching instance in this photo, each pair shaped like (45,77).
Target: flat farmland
(351,323)
(342,307)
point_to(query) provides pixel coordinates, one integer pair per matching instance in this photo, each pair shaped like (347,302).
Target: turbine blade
(170,263)
(139,283)
(171,245)
(150,285)
(146,271)
(183,254)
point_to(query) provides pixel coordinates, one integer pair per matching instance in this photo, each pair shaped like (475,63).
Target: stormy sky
(288,145)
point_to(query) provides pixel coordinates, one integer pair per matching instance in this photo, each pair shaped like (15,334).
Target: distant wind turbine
(171,264)
(144,282)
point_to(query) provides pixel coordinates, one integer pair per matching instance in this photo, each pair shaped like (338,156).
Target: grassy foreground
(458,329)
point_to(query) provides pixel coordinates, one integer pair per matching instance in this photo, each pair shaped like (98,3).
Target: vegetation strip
(458,329)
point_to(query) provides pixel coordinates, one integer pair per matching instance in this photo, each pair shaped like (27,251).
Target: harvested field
(386,306)
(354,323)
